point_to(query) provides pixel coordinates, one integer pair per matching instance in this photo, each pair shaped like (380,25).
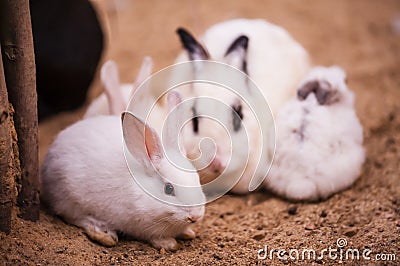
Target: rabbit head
(215,138)
(173,179)
(328,85)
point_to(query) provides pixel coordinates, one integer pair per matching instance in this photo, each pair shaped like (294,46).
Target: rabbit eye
(195,121)
(169,189)
(237,117)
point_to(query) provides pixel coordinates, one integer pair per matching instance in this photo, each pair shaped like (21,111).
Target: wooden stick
(6,179)
(19,68)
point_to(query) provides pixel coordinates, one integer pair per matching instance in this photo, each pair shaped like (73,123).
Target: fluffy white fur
(85,179)
(318,147)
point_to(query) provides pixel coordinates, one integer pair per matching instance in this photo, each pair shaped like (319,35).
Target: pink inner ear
(152,146)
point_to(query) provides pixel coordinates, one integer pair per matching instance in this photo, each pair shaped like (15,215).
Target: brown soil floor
(358,35)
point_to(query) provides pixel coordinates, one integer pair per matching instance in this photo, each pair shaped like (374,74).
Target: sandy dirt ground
(360,36)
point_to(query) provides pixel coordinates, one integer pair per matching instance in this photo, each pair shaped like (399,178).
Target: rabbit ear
(237,53)
(142,141)
(175,119)
(174,98)
(144,73)
(304,90)
(195,50)
(110,80)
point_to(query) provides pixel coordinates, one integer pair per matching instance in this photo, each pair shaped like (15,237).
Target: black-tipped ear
(237,52)
(195,50)
(306,89)
(322,89)
(241,42)
(325,94)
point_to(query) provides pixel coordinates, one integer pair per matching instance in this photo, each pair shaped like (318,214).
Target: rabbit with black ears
(86,180)
(319,139)
(276,63)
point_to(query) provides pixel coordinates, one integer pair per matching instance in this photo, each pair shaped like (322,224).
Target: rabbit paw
(98,231)
(169,244)
(187,234)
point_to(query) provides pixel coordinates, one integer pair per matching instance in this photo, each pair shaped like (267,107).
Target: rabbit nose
(195,214)
(216,166)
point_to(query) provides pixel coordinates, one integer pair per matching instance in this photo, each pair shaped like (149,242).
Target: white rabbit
(115,98)
(319,139)
(274,60)
(86,180)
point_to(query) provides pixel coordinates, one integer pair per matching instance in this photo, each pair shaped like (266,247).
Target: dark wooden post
(19,68)
(6,180)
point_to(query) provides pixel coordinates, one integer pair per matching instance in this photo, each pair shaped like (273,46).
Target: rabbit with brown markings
(85,179)
(319,139)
